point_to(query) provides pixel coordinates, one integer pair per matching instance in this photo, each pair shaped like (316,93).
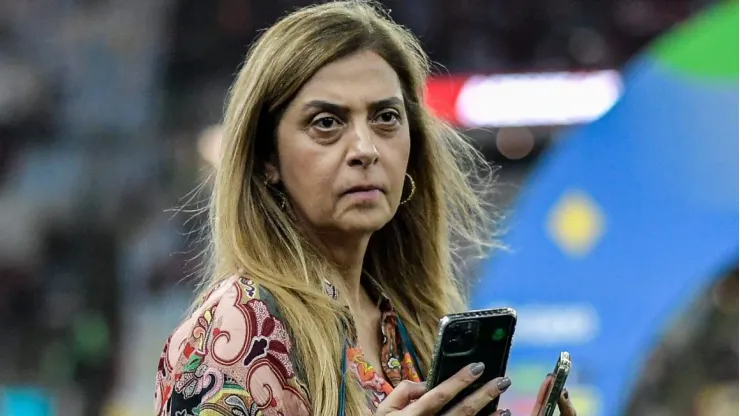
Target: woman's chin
(364,222)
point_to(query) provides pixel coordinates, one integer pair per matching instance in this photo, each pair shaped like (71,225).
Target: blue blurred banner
(626,221)
(24,401)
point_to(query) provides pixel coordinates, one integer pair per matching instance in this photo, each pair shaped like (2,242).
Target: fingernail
(503,384)
(477,369)
(506,412)
(565,394)
(550,375)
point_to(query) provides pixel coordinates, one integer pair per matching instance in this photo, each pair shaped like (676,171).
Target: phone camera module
(461,337)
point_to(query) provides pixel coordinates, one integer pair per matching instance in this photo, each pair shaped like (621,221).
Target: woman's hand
(564,405)
(412,399)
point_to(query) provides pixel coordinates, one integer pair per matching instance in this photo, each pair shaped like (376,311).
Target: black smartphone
(477,336)
(562,369)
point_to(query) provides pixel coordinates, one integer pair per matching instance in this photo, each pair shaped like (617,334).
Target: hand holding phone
(413,399)
(560,375)
(482,336)
(457,387)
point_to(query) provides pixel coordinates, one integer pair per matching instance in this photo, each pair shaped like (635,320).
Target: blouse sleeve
(232,357)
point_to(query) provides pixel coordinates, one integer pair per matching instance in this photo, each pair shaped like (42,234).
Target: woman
(332,212)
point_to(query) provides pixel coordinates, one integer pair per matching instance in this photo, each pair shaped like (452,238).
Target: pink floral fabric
(233,356)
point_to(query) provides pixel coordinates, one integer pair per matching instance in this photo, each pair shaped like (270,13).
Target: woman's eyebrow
(342,110)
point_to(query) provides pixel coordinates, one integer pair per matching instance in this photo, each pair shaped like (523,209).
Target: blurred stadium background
(109,114)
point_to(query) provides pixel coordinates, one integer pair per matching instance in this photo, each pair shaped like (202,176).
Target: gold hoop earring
(279,194)
(413,189)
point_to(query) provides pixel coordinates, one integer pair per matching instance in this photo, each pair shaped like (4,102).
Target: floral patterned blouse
(234,356)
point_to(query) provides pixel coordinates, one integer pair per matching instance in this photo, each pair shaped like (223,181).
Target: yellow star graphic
(576,223)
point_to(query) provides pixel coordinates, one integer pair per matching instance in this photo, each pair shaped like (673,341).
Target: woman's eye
(325,123)
(388,117)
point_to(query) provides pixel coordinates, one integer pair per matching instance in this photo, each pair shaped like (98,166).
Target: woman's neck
(349,260)
(348,254)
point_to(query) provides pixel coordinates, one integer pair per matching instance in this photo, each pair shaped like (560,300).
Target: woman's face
(343,147)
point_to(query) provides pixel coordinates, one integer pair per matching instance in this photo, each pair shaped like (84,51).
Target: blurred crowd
(101,106)
(693,371)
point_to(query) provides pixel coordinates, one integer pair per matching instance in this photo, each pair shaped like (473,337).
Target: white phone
(562,369)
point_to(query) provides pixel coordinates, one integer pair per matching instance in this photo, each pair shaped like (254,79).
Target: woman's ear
(272,173)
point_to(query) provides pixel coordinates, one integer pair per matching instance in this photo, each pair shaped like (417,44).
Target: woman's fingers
(401,396)
(435,399)
(565,405)
(481,397)
(542,393)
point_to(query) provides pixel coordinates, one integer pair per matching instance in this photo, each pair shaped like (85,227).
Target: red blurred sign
(535,99)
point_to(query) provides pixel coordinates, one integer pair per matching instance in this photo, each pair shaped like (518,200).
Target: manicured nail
(503,384)
(477,369)
(565,394)
(550,375)
(506,412)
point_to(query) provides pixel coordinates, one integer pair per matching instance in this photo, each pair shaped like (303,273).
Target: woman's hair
(411,257)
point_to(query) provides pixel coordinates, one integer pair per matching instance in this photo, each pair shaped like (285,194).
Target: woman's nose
(364,152)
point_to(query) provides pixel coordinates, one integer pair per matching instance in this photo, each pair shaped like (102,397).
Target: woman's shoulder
(232,350)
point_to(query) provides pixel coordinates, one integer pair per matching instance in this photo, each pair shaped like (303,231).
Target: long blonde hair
(411,257)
